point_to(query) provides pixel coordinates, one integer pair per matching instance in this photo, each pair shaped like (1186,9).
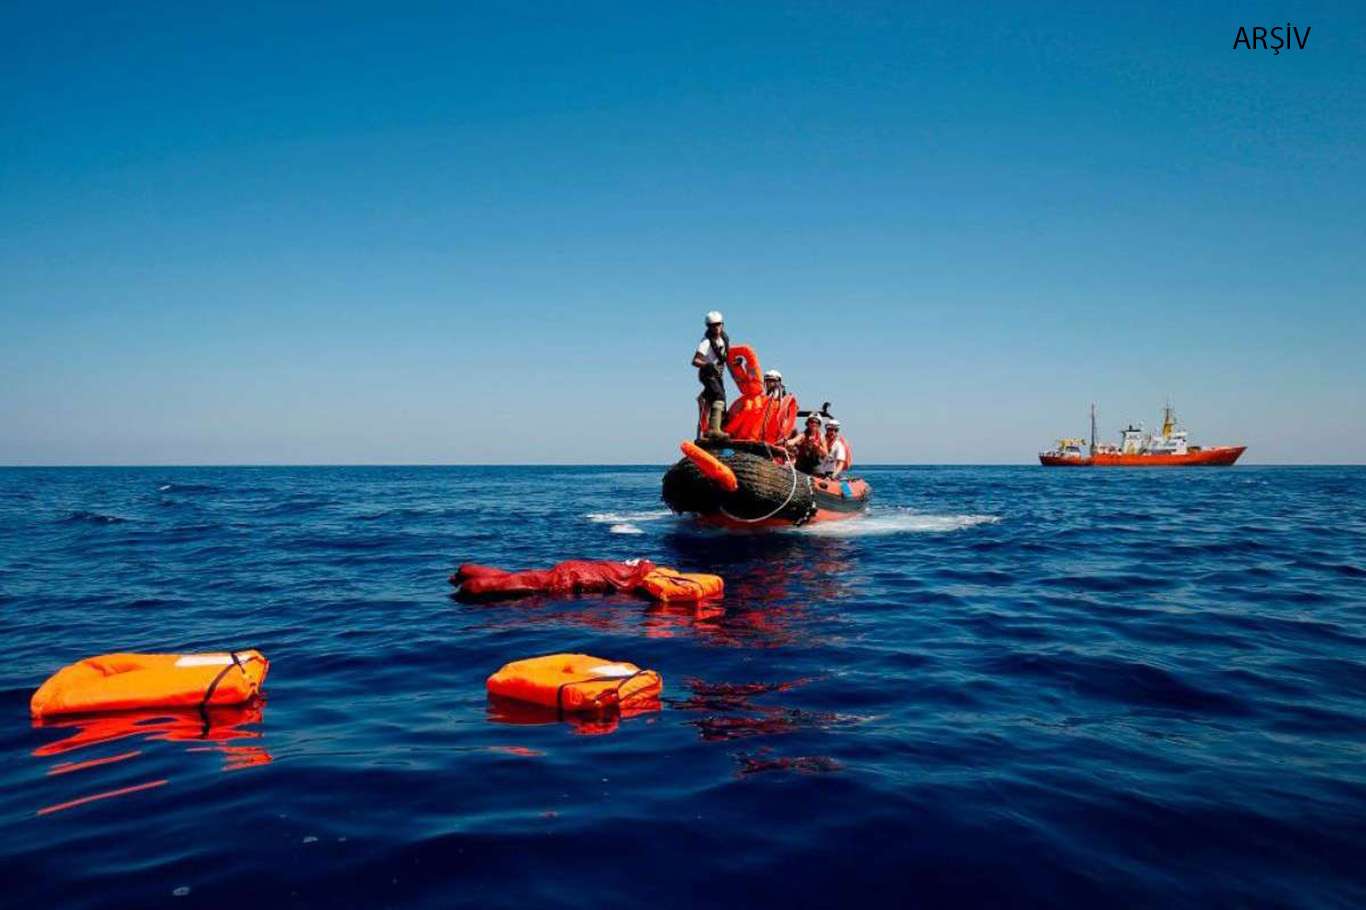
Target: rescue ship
(743,478)
(1136,450)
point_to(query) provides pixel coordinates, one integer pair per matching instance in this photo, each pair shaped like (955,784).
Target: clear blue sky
(391,233)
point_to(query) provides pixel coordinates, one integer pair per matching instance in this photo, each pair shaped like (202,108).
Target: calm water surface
(1005,686)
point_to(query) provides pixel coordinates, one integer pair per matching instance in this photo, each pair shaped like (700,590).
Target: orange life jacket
(575,682)
(117,682)
(666,585)
(762,419)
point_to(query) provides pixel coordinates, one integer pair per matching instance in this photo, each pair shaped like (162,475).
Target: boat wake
(901,521)
(627,522)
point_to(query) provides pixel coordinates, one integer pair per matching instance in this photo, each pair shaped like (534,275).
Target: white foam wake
(627,522)
(876,524)
(616,518)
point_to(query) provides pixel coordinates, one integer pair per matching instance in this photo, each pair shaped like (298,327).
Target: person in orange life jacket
(808,448)
(710,360)
(836,458)
(773,384)
(780,405)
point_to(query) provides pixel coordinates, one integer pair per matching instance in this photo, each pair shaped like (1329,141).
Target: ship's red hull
(1214,456)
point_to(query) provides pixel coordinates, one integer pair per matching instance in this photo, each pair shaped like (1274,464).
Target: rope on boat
(790,493)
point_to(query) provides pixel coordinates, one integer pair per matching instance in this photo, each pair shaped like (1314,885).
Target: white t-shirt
(709,352)
(834,459)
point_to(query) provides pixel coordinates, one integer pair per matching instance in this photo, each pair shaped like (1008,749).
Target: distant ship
(1135,450)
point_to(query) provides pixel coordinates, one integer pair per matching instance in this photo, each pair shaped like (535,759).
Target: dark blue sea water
(1005,687)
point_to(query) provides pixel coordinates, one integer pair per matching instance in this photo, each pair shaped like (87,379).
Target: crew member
(710,360)
(836,460)
(808,448)
(778,422)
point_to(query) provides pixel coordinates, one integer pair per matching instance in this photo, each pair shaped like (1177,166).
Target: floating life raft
(764,490)
(118,682)
(572,683)
(582,576)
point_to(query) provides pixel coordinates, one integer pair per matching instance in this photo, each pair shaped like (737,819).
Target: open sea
(1006,687)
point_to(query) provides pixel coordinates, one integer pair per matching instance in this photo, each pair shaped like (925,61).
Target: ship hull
(1215,456)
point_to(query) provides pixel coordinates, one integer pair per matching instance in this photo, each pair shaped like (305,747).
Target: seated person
(808,449)
(837,458)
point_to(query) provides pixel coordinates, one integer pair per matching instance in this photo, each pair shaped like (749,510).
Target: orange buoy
(117,682)
(712,467)
(667,585)
(575,682)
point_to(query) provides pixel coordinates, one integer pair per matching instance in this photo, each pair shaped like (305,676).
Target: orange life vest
(668,586)
(116,682)
(575,682)
(762,419)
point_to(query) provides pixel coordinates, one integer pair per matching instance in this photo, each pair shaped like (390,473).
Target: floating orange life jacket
(666,585)
(575,682)
(116,682)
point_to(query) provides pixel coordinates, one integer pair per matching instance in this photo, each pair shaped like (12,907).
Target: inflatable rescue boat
(763,491)
(743,477)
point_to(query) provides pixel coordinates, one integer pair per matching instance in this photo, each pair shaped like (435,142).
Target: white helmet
(773,374)
(832,424)
(715,318)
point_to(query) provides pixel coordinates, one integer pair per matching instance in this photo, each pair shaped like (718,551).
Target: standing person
(837,459)
(710,360)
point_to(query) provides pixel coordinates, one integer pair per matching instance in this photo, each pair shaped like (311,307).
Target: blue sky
(439,233)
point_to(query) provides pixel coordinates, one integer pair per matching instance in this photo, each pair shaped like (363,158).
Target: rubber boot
(718,413)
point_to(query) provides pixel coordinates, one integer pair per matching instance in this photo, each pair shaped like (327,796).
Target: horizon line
(604,464)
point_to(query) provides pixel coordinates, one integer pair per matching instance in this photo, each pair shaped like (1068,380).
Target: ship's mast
(1168,419)
(1093,429)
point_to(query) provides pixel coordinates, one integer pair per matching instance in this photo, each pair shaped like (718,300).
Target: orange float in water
(118,682)
(575,682)
(666,585)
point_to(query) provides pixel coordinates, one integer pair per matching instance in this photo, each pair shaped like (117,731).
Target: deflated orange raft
(576,682)
(118,682)
(583,576)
